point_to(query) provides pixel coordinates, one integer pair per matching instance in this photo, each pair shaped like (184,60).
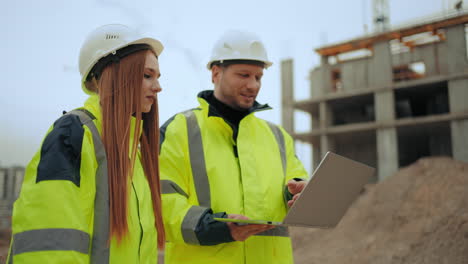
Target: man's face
(237,85)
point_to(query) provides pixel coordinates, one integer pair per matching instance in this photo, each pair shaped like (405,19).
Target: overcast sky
(40,42)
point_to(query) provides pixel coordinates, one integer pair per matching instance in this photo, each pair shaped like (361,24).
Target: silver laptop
(335,184)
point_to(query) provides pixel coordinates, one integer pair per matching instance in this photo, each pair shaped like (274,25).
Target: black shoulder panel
(61,151)
(162,130)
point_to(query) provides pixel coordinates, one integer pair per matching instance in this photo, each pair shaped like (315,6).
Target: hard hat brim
(267,63)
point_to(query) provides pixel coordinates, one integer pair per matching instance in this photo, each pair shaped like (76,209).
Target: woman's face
(150,85)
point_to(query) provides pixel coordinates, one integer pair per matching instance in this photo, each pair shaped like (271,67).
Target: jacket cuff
(211,232)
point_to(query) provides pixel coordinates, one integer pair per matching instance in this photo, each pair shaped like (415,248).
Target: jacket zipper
(139,220)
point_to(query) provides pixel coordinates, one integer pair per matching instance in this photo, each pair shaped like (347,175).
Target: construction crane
(459,5)
(381,15)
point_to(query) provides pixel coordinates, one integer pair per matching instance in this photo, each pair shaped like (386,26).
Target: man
(220,160)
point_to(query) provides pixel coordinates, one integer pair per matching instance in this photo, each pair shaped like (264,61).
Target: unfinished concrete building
(10,185)
(389,98)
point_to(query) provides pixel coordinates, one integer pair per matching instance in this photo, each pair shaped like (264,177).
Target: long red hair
(120,89)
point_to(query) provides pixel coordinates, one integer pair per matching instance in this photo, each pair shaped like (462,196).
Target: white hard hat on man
(237,45)
(109,39)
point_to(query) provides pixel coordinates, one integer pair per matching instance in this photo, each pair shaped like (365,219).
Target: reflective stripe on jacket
(62,213)
(203,167)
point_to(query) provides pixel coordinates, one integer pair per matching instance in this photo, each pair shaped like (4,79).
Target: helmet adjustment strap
(225,63)
(114,57)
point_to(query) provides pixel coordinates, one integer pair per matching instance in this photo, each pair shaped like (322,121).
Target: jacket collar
(92,105)
(212,111)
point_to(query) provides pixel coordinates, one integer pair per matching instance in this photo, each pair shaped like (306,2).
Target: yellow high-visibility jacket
(203,167)
(62,213)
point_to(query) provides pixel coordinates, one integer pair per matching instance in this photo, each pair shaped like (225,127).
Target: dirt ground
(4,243)
(419,215)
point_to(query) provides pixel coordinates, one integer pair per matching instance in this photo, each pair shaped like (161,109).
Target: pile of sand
(419,215)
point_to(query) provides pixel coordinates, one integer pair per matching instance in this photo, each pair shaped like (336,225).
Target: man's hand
(242,232)
(295,188)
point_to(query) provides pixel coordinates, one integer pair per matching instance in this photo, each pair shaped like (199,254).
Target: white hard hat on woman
(108,40)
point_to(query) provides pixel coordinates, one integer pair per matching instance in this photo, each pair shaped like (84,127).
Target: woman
(91,194)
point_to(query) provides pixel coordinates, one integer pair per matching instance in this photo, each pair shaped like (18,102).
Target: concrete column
(10,184)
(381,76)
(326,117)
(387,143)
(458,93)
(387,152)
(19,176)
(456,47)
(323,145)
(459,140)
(316,91)
(326,144)
(316,157)
(458,90)
(287,95)
(320,82)
(380,66)
(325,74)
(384,106)
(315,80)
(3,175)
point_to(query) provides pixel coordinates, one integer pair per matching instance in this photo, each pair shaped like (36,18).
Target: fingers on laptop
(293,200)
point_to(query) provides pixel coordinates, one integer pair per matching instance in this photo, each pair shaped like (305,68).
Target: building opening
(422,100)
(411,71)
